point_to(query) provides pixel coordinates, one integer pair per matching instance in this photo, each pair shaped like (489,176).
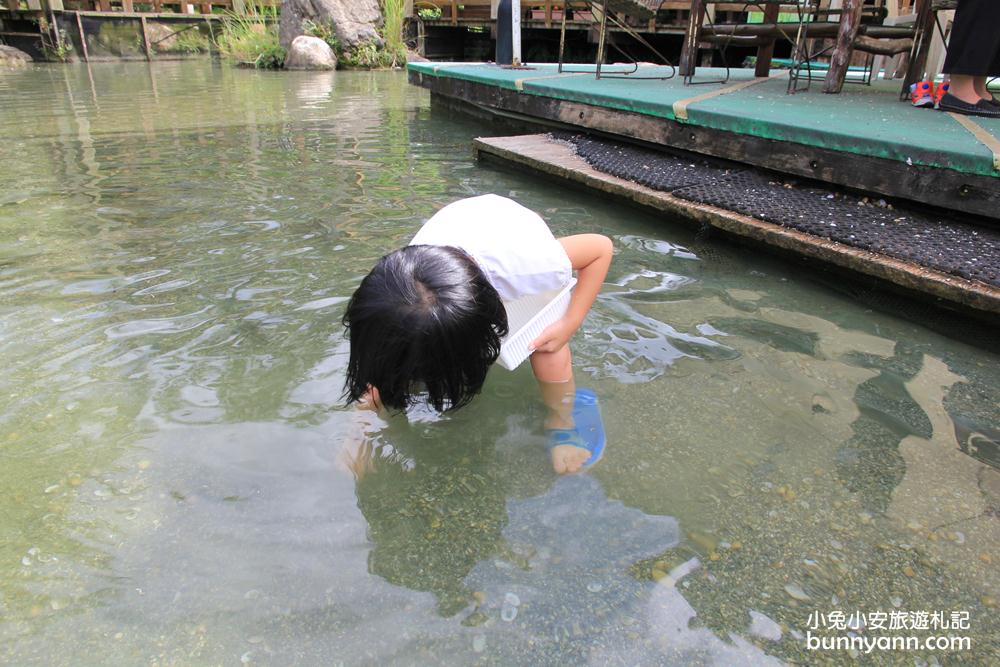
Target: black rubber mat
(944,245)
(659,171)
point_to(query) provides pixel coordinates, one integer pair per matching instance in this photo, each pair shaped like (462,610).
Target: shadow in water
(870,463)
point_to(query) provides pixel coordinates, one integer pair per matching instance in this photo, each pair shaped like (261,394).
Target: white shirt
(511,244)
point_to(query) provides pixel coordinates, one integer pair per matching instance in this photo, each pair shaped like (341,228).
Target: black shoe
(981,108)
(994,101)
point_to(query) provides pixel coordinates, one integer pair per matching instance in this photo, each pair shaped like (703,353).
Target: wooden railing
(144,6)
(455,11)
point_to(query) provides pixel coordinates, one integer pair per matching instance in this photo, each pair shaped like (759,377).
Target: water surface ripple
(181,484)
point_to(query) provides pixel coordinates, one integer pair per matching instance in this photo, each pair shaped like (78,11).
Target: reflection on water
(181,484)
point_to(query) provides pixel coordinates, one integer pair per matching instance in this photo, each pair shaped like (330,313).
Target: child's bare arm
(590,255)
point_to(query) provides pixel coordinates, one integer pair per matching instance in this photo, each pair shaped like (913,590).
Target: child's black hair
(425,319)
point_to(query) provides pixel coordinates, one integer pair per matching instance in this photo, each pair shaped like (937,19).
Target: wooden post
(83,38)
(766,51)
(127,6)
(924,31)
(689,52)
(205,8)
(145,39)
(850,21)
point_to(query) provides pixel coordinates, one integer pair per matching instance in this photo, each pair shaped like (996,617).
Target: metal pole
(600,41)
(515,26)
(562,35)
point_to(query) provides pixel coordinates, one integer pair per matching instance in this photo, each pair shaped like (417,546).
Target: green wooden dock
(864,138)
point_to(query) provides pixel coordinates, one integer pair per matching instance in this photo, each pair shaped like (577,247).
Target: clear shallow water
(176,244)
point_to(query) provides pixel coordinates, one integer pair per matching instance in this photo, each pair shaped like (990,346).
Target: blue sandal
(589,428)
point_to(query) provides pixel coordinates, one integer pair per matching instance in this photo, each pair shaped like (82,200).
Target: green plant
(58,47)
(251,38)
(429,13)
(366,54)
(190,41)
(323,31)
(392,32)
(272,57)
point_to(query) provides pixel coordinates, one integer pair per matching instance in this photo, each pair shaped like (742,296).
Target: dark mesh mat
(659,171)
(941,244)
(944,245)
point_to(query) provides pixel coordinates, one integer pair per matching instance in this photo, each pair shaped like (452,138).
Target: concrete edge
(555,158)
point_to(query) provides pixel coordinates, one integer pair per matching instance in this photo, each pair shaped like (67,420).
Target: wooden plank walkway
(557,159)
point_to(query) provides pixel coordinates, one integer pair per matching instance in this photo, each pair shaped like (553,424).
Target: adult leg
(973,49)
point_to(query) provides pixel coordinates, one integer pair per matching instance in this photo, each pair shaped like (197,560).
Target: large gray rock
(310,53)
(11,57)
(354,21)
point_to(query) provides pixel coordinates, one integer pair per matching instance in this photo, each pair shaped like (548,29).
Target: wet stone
(763,627)
(796,593)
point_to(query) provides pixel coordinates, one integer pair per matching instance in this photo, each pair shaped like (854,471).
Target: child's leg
(554,372)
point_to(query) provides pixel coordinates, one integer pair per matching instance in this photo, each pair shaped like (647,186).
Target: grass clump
(391,52)
(367,54)
(250,38)
(190,41)
(392,33)
(59,49)
(323,31)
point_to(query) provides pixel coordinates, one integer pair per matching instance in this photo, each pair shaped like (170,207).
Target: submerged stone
(763,627)
(796,592)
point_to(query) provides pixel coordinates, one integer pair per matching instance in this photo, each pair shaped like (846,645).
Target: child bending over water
(428,319)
